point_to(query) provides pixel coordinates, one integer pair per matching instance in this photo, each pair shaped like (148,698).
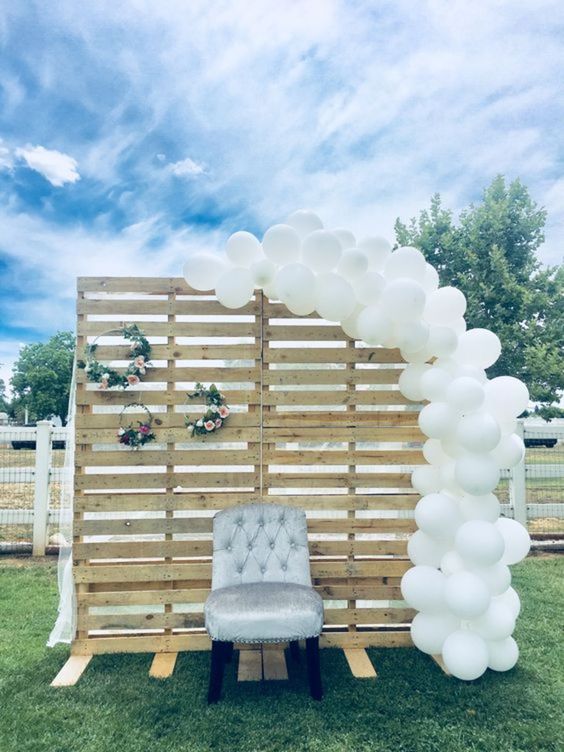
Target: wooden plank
(133,307)
(143,457)
(162,420)
(359,663)
(386,375)
(151,397)
(379,418)
(163,665)
(199,330)
(298,398)
(250,665)
(441,664)
(71,672)
(339,457)
(332,355)
(274,665)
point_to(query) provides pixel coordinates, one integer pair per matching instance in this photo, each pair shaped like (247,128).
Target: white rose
(200,423)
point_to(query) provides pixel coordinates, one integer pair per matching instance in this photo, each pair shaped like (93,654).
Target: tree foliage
(42,375)
(490,254)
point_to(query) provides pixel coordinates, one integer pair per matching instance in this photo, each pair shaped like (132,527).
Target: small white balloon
(485,507)
(423,588)
(373,325)
(465,394)
(368,289)
(510,451)
(478,347)
(263,272)
(448,479)
(403,299)
(426,479)
(437,515)
(304,221)
(350,324)
(334,297)
(434,384)
(452,562)
(507,395)
(477,474)
(345,238)
(478,432)
(410,381)
(202,270)
(436,420)
(443,341)
(511,599)
(406,262)
(431,279)
(411,335)
(479,543)
(496,577)
(433,452)
(424,550)
(496,623)
(270,290)
(281,244)
(321,251)
(517,540)
(466,595)
(465,655)
(503,654)
(352,265)
(429,631)
(235,287)
(377,249)
(295,288)
(445,305)
(243,248)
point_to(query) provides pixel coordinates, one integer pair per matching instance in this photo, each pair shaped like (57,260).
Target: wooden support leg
(163,665)
(216,670)
(250,665)
(71,671)
(313,668)
(295,650)
(228,652)
(274,663)
(359,663)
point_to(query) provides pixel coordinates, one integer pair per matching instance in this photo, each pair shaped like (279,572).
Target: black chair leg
(295,650)
(216,670)
(314,668)
(228,651)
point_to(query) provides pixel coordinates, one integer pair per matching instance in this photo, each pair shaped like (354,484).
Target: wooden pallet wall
(317,420)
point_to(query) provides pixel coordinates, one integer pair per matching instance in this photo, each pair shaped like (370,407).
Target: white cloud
(56,167)
(186,168)
(6,160)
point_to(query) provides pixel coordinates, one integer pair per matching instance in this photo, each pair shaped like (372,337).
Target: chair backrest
(260,543)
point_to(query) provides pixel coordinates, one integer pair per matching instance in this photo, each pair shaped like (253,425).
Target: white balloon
(429,631)
(496,623)
(373,325)
(377,249)
(458,325)
(478,432)
(334,297)
(478,374)
(443,341)
(445,305)
(449,365)
(452,447)
(295,288)
(436,420)
(410,381)
(507,395)
(465,394)
(424,550)
(202,270)
(478,347)
(243,248)
(368,289)
(352,265)
(412,356)
(263,272)
(503,654)
(350,324)
(270,290)
(477,474)
(281,244)
(411,335)
(403,299)
(451,562)
(304,221)
(465,655)
(511,599)
(479,543)
(448,479)
(321,251)
(437,515)
(431,278)
(485,507)
(433,451)
(466,595)
(423,587)
(345,238)
(235,287)
(426,479)
(510,451)
(517,540)
(406,262)
(434,383)
(496,577)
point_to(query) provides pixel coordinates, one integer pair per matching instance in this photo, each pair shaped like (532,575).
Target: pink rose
(223,411)
(218,423)
(132,379)
(139,361)
(103,384)
(209,425)
(144,428)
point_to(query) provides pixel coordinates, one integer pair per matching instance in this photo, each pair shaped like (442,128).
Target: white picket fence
(40,474)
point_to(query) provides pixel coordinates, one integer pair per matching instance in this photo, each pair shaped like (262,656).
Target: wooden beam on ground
(71,671)
(441,664)
(359,663)
(250,665)
(274,664)
(163,665)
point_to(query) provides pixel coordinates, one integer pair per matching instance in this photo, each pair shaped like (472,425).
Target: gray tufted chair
(261,587)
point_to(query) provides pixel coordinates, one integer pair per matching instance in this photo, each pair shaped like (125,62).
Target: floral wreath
(216,414)
(108,377)
(136,436)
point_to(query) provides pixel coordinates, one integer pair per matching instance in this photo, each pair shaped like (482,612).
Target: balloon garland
(215,416)
(107,377)
(460,582)
(139,435)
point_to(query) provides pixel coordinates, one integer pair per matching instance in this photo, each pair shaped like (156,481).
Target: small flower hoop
(215,416)
(136,436)
(107,377)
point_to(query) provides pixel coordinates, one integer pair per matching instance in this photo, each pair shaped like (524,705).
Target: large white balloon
(353,264)
(373,325)
(445,305)
(511,599)
(263,272)
(202,270)
(485,507)
(426,479)
(510,451)
(304,221)
(368,289)
(442,341)
(434,383)
(410,381)
(466,595)
(406,262)
(451,562)
(295,288)
(496,577)
(403,299)
(424,550)
(517,540)
(433,451)
(478,347)
(503,654)
(235,287)
(429,631)
(479,543)
(281,244)
(334,297)
(346,238)
(377,250)
(465,394)
(423,588)
(478,432)
(496,623)
(321,251)
(243,248)
(507,395)
(411,335)
(465,655)
(436,420)
(437,515)
(350,324)
(477,474)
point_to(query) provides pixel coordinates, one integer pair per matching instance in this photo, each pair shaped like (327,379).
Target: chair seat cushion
(263,612)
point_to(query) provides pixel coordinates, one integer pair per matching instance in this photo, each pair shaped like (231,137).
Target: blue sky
(135,132)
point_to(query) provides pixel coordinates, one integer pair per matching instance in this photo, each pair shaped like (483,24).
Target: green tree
(4,406)
(490,254)
(42,375)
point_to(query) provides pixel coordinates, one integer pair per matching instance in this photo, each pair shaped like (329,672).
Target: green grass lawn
(412,706)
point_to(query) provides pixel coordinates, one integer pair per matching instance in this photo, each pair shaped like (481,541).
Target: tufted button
(282,518)
(284,567)
(229,548)
(250,546)
(239,523)
(271,544)
(292,544)
(240,569)
(263,569)
(261,523)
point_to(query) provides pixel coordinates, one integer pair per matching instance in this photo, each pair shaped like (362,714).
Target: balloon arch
(461,582)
